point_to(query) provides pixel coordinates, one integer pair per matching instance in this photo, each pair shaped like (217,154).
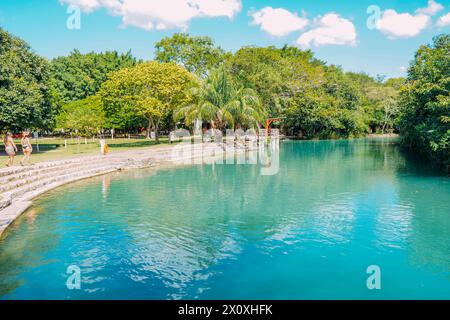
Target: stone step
(10,214)
(15,179)
(33,176)
(43,184)
(51,167)
(28,196)
(159,153)
(35,172)
(19,185)
(4,202)
(19,169)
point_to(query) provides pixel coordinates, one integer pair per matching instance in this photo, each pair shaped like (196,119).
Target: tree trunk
(149,127)
(156,131)
(213,129)
(385,124)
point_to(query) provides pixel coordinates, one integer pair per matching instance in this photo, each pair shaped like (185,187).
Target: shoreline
(143,158)
(157,157)
(384,135)
(370,135)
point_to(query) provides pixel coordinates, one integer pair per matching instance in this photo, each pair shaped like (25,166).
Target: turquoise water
(225,231)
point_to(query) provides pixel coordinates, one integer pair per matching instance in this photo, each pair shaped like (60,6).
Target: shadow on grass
(83,148)
(42,149)
(143,143)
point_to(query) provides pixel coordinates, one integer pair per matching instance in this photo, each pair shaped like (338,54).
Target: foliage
(223,103)
(378,100)
(83,116)
(275,74)
(149,90)
(317,101)
(25,97)
(198,55)
(425,101)
(78,75)
(195,79)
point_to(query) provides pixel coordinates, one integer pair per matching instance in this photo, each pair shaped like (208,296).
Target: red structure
(269,122)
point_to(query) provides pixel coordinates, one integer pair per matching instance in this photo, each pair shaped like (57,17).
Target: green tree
(260,70)
(198,55)
(78,76)
(84,116)
(223,103)
(378,100)
(390,108)
(425,102)
(25,96)
(275,74)
(149,90)
(317,100)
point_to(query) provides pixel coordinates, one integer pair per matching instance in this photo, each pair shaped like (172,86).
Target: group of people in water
(12,150)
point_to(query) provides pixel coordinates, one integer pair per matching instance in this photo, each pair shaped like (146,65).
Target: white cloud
(330,29)
(91,5)
(403,69)
(406,25)
(432,9)
(444,20)
(278,22)
(402,25)
(157,14)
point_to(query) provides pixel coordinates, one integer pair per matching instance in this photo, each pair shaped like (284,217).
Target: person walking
(10,149)
(27,148)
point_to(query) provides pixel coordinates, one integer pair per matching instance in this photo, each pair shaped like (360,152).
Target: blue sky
(336,30)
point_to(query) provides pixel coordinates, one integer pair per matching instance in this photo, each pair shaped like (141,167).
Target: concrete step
(33,178)
(120,156)
(19,169)
(16,180)
(10,214)
(42,184)
(28,196)
(4,202)
(19,185)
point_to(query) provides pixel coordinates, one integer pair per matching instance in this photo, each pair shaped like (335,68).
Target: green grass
(54,149)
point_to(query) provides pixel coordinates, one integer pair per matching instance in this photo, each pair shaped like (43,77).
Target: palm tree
(223,103)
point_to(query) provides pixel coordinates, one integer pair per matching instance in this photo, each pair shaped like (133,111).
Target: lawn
(55,149)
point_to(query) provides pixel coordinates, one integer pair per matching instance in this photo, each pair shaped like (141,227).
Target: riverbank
(334,208)
(371,135)
(54,149)
(20,185)
(384,135)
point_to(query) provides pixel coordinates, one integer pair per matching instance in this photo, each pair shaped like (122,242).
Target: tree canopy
(194,79)
(425,102)
(197,54)
(223,103)
(149,90)
(83,116)
(317,100)
(25,97)
(78,76)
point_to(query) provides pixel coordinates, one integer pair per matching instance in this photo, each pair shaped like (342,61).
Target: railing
(273,133)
